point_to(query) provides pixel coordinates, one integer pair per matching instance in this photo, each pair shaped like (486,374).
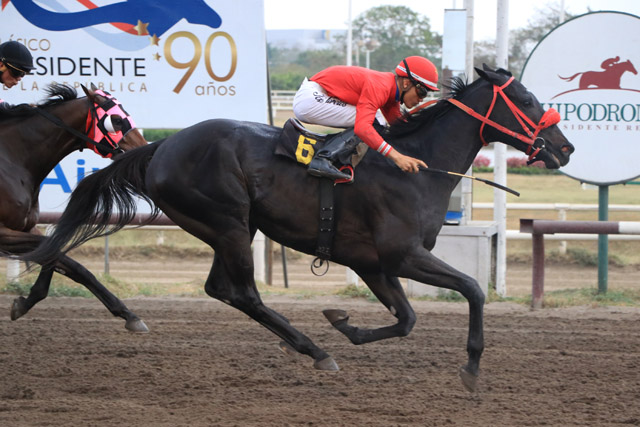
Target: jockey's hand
(406,163)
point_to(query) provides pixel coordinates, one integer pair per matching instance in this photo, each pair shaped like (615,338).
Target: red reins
(549,118)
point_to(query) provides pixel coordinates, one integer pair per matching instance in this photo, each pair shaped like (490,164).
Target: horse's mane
(56,94)
(457,87)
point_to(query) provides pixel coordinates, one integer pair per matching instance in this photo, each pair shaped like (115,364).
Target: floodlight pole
(349,37)
(500,156)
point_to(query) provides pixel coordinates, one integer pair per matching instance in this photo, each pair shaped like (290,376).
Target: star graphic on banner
(154,40)
(156,56)
(141,28)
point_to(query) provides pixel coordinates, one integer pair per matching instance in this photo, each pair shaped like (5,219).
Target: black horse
(33,139)
(220,181)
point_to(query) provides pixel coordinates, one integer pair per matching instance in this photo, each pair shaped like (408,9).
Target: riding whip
(486,181)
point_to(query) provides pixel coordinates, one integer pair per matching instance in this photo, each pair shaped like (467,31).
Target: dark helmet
(17,56)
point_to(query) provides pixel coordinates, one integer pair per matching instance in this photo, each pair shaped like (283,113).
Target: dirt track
(68,362)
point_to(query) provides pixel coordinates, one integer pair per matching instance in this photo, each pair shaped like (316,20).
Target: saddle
(300,144)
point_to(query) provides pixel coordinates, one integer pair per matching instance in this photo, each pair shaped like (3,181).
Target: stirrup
(346,181)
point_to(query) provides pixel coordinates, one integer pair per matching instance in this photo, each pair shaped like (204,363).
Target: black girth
(326,230)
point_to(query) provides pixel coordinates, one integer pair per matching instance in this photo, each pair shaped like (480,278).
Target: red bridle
(549,118)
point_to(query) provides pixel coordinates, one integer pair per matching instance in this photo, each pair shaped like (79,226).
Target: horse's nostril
(568,149)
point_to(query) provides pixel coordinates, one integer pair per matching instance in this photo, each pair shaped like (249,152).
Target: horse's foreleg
(424,267)
(20,242)
(37,293)
(78,273)
(390,293)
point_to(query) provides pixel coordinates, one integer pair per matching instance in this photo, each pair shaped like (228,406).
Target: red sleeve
(371,99)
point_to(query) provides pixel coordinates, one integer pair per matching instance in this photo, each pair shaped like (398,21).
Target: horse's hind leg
(390,293)
(231,281)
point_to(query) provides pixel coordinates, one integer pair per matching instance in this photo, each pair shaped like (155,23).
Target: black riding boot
(338,148)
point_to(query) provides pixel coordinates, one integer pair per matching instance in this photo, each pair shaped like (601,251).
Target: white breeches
(311,104)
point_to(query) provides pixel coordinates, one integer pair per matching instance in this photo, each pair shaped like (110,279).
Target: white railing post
(13,270)
(258,257)
(562,216)
(352,277)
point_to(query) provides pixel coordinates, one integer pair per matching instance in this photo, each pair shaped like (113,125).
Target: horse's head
(519,120)
(110,126)
(628,66)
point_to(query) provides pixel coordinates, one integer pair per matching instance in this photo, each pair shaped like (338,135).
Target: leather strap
(326,231)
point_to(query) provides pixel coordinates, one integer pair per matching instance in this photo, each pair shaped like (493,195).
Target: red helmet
(419,70)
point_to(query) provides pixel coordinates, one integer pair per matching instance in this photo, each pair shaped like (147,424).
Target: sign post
(585,69)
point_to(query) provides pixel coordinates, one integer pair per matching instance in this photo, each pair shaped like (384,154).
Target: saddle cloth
(300,144)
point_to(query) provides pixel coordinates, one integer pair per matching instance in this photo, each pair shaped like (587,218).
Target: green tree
(288,67)
(399,32)
(522,41)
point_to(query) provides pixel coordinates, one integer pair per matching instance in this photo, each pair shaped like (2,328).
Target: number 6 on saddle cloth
(300,144)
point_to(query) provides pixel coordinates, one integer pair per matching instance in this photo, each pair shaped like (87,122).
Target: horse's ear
(495,77)
(93,87)
(485,71)
(482,73)
(88,92)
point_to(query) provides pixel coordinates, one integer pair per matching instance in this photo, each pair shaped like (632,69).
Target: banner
(170,63)
(587,70)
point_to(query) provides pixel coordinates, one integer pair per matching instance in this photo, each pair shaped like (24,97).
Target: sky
(334,14)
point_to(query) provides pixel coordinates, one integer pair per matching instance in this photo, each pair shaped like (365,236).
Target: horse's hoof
(469,380)
(326,364)
(137,326)
(335,316)
(286,348)
(18,308)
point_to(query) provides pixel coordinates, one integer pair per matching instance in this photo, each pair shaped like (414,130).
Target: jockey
(608,63)
(15,62)
(343,96)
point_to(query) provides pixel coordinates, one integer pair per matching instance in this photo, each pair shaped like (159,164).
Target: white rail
(562,209)
(559,207)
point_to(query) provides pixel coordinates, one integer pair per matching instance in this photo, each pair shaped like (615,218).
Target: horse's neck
(458,142)
(45,144)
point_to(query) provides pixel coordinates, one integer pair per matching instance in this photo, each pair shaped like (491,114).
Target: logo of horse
(607,79)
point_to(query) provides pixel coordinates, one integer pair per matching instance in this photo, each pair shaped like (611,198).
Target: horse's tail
(102,203)
(570,78)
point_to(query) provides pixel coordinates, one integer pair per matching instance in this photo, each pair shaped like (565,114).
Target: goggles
(421,90)
(14,71)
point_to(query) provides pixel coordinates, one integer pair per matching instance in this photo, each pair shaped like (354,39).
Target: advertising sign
(586,69)
(171,63)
